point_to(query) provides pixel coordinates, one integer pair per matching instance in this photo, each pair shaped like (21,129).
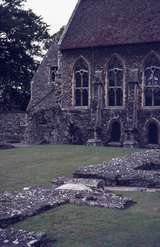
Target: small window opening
(53,71)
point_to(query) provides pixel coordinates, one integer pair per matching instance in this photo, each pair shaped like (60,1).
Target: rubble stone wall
(56,127)
(12,127)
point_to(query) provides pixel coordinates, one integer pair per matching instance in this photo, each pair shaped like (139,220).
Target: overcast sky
(55,13)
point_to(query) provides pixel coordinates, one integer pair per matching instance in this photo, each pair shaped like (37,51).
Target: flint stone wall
(51,114)
(57,126)
(12,127)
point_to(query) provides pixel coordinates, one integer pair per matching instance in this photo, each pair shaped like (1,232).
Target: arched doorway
(115,132)
(153,133)
(75,135)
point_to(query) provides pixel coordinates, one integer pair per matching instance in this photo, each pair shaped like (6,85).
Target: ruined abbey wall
(57,120)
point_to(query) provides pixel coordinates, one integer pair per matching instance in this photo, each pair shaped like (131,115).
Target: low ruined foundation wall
(12,127)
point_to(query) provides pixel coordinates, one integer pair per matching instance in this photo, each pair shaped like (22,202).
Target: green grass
(39,164)
(73,226)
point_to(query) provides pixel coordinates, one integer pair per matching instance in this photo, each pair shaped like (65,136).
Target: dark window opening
(157,97)
(115,132)
(85,79)
(85,98)
(111,97)
(78,97)
(153,133)
(78,80)
(148,97)
(53,71)
(119,97)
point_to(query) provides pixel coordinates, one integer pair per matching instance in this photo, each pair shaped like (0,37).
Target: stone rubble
(141,169)
(21,238)
(86,188)
(16,206)
(101,199)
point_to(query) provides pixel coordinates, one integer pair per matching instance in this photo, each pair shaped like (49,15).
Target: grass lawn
(73,226)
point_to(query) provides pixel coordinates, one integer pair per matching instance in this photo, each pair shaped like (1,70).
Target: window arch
(81,83)
(151,81)
(115,82)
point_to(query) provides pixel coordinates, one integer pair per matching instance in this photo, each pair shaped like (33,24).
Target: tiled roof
(112,22)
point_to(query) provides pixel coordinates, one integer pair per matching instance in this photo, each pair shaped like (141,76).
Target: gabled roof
(112,22)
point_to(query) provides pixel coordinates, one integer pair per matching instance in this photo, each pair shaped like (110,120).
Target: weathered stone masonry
(12,127)
(56,114)
(61,121)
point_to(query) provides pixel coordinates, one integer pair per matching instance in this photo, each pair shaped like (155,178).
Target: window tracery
(115,82)
(81,83)
(152,81)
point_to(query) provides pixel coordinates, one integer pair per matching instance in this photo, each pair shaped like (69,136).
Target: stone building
(101,83)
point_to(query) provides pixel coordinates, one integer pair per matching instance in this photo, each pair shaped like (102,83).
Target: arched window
(152,81)
(81,83)
(115,82)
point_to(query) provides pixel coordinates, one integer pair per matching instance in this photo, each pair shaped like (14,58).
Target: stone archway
(153,133)
(115,132)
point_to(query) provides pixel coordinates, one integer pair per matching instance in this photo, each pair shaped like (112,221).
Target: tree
(23,38)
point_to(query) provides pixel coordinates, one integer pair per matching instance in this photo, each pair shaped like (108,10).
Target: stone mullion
(115,96)
(152,96)
(81,89)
